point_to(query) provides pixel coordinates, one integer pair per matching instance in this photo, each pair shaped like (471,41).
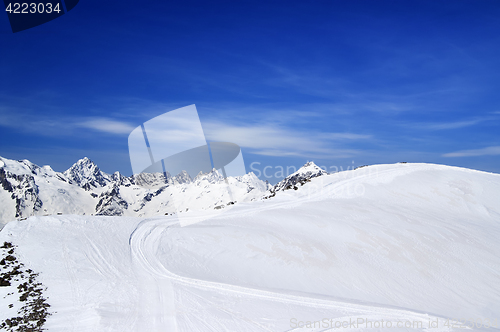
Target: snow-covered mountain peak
(199,176)
(302,175)
(310,166)
(182,177)
(213,176)
(250,178)
(47,168)
(84,163)
(18,167)
(151,180)
(252,182)
(27,189)
(118,179)
(86,174)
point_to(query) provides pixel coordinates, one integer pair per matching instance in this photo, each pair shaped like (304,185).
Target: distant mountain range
(27,190)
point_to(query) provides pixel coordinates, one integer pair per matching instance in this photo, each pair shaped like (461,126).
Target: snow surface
(404,242)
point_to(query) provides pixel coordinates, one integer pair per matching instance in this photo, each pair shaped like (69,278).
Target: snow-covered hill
(28,190)
(412,245)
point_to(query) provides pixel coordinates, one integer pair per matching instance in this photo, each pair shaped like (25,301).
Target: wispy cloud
(454,125)
(488,151)
(271,133)
(106,125)
(344,136)
(268,140)
(64,126)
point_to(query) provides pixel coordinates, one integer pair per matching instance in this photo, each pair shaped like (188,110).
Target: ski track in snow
(144,242)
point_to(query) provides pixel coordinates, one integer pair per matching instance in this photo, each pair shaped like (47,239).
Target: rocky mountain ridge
(27,189)
(304,174)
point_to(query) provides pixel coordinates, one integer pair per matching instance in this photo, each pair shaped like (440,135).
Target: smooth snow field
(415,245)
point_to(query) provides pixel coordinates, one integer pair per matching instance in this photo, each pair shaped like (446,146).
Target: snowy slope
(404,242)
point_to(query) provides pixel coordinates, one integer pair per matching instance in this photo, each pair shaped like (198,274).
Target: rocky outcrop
(22,282)
(87,175)
(26,195)
(299,178)
(182,177)
(111,203)
(149,179)
(24,192)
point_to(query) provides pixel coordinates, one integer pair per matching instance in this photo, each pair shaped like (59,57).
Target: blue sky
(339,82)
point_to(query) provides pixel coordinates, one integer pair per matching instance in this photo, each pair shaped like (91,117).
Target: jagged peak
(81,166)
(302,175)
(151,179)
(85,172)
(117,176)
(311,165)
(252,181)
(248,176)
(84,161)
(182,177)
(212,176)
(183,174)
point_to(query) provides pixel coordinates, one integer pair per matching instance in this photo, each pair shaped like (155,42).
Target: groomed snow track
(144,243)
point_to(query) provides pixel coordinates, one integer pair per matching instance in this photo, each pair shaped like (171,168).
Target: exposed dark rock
(6,245)
(26,195)
(111,203)
(86,174)
(5,183)
(149,196)
(34,312)
(301,177)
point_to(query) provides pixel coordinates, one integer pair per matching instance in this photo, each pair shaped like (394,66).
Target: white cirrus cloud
(106,125)
(269,140)
(488,151)
(454,125)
